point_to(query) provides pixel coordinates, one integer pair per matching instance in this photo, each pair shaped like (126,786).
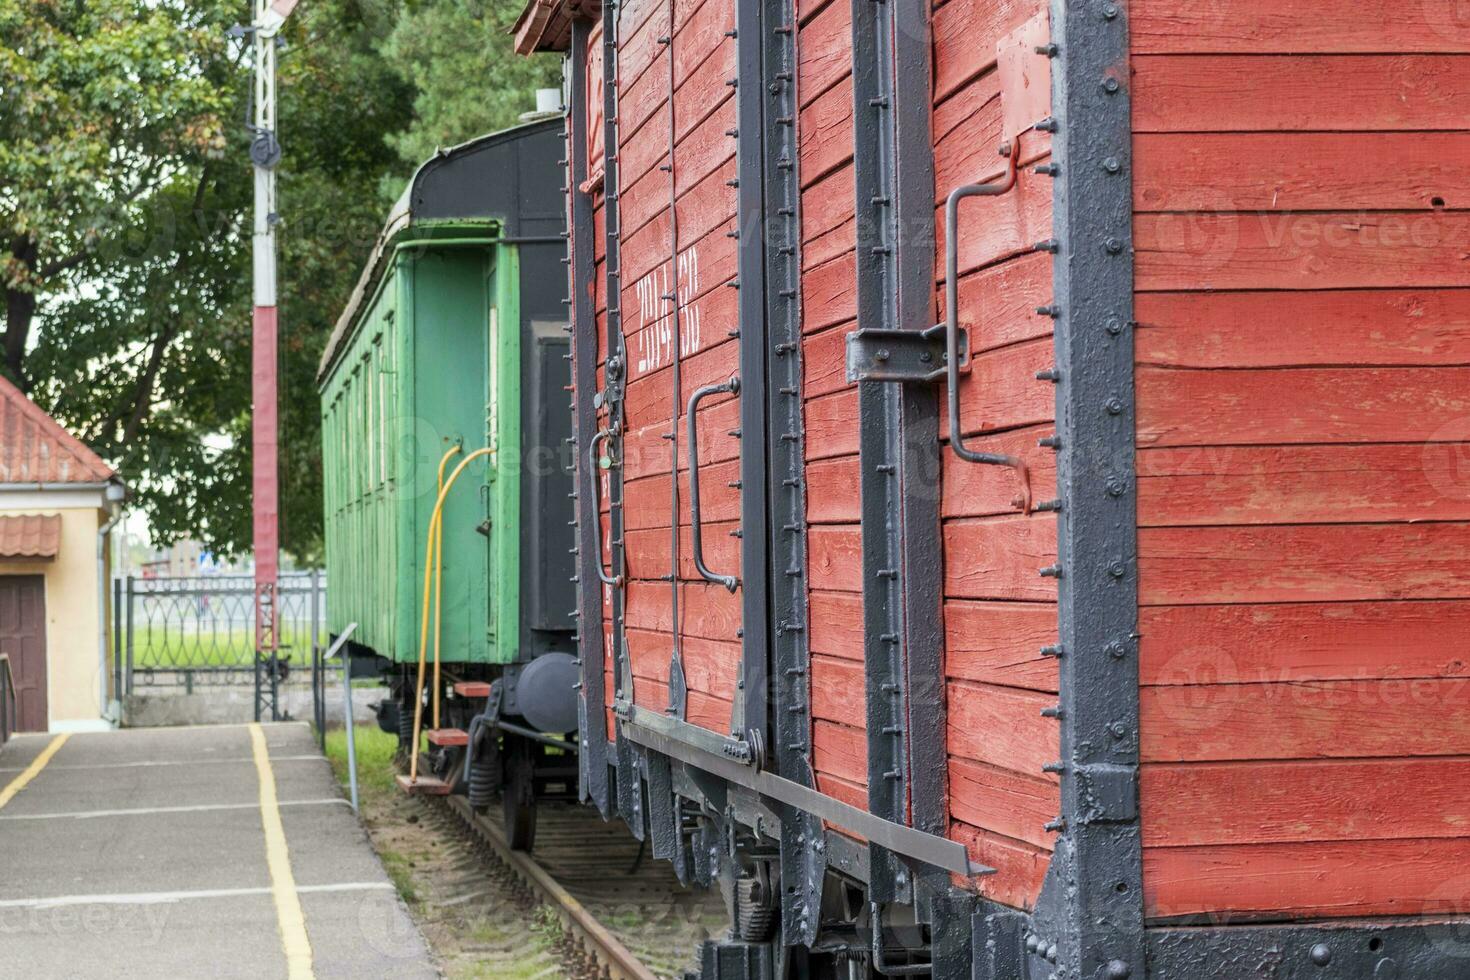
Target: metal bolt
(1114,325)
(1117,569)
(1114,246)
(1114,406)
(1111,86)
(1112,165)
(1110,11)
(1116,487)
(1118,970)
(1118,729)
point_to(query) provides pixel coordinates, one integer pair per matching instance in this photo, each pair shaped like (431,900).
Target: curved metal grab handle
(696,533)
(952,325)
(613,580)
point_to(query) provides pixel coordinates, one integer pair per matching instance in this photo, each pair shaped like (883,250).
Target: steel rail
(605,947)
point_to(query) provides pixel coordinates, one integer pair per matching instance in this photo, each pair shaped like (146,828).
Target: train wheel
(519,801)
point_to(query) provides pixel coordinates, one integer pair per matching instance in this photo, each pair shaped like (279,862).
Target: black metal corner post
(920,487)
(592,718)
(1093,898)
(881,437)
(629,781)
(753,702)
(919,466)
(803,862)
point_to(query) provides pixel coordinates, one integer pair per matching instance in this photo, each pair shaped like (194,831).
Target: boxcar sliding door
(678,444)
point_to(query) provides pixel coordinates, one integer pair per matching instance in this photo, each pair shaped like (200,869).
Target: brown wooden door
(23,637)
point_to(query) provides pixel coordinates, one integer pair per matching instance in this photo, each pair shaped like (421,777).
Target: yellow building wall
(72,617)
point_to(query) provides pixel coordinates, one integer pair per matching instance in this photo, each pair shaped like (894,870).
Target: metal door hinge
(900,355)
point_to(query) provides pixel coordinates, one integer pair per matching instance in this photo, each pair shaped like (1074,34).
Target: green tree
(137,334)
(102,104)
(468,80)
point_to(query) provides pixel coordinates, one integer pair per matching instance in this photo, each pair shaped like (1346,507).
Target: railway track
(626,911)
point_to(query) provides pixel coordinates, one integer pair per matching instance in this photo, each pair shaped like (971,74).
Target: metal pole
(351,728)
(128,668)
(117,640)
(338,647)
(265,153)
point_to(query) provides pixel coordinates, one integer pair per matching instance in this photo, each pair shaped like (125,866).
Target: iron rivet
(1114,406)
(1111,86)
(1116,487)
(1110,12)
(1321,954)
(1118,970)
(1118,729)
(882,355)
(1117,569)
(1112,165)
(1114,246)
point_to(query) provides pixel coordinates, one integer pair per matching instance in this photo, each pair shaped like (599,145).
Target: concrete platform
(160,853)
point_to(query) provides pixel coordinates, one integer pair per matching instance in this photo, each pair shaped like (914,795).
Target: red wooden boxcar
(1027,442)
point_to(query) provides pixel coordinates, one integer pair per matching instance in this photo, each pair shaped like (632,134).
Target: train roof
(506,183)
(546,25)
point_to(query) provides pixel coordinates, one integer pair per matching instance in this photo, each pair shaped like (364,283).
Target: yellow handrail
(433,554)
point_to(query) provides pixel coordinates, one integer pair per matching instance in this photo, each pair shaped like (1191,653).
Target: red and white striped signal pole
(265,153)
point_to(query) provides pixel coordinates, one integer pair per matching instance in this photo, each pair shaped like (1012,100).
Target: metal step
(423,786)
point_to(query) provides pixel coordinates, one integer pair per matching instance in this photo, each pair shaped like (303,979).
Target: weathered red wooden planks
(1311,880)
(965,32)
(1244,644)
(1209,485)
(1315,26)
(1397,249)
(1350,799)
(1306,405)
(999,643)
(1020,867)
(981,490)
(1303,563)
(1000,390)
(1320,93)
(998,305)
(1006,802)
(1301,171)
(1002,726)
(1367,327)
(835,558)
(1305,720)
(1000,558)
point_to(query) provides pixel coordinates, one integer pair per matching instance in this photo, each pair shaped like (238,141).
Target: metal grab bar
(10,707)
(952,325)
(347,721)
(696,532)
(602,434)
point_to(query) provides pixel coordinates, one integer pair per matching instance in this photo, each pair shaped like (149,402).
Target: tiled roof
(29,536)
(34,448)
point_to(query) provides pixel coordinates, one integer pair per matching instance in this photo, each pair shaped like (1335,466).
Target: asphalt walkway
(191,853)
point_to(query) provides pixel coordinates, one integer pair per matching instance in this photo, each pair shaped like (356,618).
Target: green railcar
(455,339)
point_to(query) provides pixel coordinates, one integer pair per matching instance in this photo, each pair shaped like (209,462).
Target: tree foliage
(125,198)
(468,80)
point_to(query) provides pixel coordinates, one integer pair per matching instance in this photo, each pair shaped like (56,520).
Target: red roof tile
(34,448)
(29,536)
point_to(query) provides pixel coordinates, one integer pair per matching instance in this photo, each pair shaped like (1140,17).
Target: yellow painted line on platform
(31,771)
(289,917)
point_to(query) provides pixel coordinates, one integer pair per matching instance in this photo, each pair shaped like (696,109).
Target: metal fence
(181,632)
